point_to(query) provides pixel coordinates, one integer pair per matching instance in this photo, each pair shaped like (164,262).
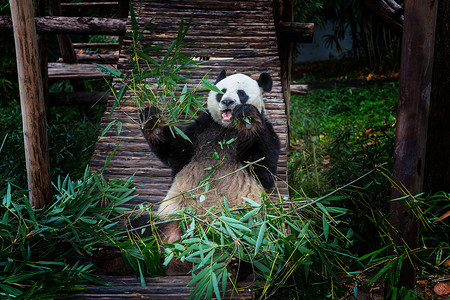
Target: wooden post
(123,13)
(32,103)
(64,40)
(412,123)
(437,166)
(39,10)
(284,12)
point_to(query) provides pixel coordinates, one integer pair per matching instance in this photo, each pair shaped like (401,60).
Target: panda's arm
(171,148)
(257,139)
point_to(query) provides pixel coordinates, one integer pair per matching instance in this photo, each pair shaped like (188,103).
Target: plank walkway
(173,287)
(238,36)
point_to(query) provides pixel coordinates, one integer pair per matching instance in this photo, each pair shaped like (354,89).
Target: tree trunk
(412,122)
(437,166)
(32,103)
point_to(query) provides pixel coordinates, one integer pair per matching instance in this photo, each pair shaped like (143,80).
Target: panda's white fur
(232,84)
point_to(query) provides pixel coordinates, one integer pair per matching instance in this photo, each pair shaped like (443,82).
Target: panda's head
(237,89)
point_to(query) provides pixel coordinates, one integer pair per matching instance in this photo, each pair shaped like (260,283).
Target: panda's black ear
(221,76)
(265,82)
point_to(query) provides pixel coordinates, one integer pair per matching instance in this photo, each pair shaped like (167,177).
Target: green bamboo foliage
(42,252)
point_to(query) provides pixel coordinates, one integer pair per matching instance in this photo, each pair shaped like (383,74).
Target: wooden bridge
(249,37)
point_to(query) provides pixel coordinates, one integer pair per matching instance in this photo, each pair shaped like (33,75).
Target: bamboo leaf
(108,127)
(215,285)
(326,226)
(210,86)
(181,133)
(262,230)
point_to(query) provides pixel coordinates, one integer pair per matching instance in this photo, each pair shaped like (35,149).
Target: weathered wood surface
(96,45)
(388,11)
(75,5)
(238,36)
(437,165)
(170,287)
(32,104)
(74,71)
(411,129)
(72,25)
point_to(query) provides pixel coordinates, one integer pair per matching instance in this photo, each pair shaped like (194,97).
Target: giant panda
(233,132)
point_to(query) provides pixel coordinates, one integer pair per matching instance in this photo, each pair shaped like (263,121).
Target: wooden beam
(72,25)
(96,45)
(412,123)
(295,32)
(32,103)
(389,13)
(74,71)
(75,5)
(283,11)
(299,89)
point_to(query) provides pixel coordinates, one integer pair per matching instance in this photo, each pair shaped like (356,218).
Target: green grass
(341,125)
(71,139)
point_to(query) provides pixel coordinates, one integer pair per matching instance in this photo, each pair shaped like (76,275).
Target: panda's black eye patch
(219,96)
(243,97)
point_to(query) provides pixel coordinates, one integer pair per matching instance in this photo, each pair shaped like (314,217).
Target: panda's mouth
(226,114)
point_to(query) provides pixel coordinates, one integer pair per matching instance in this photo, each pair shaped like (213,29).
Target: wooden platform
(238,36)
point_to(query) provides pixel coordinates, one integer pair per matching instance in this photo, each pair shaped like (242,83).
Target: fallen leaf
(442,288)
(447,263)
(443,217)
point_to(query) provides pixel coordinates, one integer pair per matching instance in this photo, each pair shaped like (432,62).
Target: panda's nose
(227,102)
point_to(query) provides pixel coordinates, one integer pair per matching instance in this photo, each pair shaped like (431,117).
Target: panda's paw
(149,114)
(247,119)
(150,120)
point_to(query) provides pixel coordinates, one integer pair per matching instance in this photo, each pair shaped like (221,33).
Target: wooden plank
(74,71)
(75,5)
(96,45)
